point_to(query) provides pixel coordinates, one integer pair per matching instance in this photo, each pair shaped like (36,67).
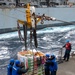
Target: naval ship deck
(67,68)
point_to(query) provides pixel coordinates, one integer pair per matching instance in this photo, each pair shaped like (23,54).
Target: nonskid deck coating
(67,68)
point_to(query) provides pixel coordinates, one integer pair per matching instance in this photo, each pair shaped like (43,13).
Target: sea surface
(49,39)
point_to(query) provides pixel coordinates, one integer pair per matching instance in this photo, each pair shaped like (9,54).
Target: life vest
(9,72)
(14,70)
(68,46)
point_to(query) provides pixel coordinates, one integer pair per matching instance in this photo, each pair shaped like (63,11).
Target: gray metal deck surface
(67,68)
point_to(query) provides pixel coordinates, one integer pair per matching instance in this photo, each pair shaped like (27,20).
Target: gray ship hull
(9,17)
(6,30)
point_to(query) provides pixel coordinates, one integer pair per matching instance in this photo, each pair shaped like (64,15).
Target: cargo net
(34,61)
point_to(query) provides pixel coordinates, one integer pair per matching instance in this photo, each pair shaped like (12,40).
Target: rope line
(19,32)
(21,11)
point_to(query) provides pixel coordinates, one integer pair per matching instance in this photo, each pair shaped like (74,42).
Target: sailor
(53,65)
(67,51)
(9,67)
(47,65)
(18,69)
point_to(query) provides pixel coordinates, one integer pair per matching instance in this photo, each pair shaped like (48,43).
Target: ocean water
(49,39)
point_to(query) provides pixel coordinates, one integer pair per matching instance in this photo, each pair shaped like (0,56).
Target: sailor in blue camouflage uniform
(9,67)
(47,65)
(53,65)
(18,69)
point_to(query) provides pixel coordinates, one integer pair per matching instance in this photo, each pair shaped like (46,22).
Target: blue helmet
(53,56)
(11,60)
(67,41)
(47,55)
(17,62)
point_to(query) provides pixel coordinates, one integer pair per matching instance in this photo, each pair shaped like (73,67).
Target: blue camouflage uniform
(54,66)
(47,65)
(10,66)
(18,69)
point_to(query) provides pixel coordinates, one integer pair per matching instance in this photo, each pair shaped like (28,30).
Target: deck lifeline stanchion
(61,56)
(60,60)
